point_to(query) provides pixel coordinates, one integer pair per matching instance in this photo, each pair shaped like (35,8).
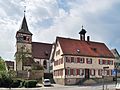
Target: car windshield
(47,81)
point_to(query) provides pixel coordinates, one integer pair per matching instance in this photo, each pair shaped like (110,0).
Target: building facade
(41,54)
(75,60)
(117,62)
(28,53)
(23,46)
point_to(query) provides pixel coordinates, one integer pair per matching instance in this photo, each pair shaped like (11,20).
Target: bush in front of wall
(16,83)
(6,80)
(30,83)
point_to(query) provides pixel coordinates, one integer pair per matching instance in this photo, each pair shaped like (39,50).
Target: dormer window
(46,53)
(94,49)
(78,50)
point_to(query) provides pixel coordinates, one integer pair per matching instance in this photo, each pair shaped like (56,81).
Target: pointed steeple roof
(24,27)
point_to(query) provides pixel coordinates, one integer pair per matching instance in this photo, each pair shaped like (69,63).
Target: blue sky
(50,18)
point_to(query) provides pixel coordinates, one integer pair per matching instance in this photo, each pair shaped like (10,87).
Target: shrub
(30,83)
(6,80)
(16,83)
(0,82)
(37,67)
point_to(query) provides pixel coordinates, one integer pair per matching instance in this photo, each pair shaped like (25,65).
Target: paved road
(61,87)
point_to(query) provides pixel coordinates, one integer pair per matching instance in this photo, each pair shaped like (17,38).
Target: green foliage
(16,83)
(6,80)
(2,65)
(37,67)
(30,83)
(12,73)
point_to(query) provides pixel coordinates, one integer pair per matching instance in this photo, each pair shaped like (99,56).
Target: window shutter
(108,62)
(99,72)
(83,71)
(77,71)
(61,72)
(71,71)
(66,72)
(78,60)
(87,60)
(103,61)
(83,60)
(111,72)
(94,71)
(112,62)
(90,71)
(107,72)
(99,61)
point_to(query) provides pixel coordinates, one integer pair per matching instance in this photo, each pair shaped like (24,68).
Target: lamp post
(104,68)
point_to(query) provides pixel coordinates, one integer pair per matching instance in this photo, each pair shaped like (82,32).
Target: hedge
(30,83)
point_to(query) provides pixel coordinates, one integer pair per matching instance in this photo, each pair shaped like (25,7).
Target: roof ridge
(42,43)
(80,40)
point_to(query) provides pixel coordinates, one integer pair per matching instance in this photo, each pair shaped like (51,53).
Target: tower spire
(24,10)
(82,34)
(24,26)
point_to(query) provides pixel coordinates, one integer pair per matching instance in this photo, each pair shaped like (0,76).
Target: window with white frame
(89,60)
(111,62)
(74,72)
(68,71)
(92,72)
(81,72)
(81,60)
(100,71)
(68,59)
(100,61)
(72,60)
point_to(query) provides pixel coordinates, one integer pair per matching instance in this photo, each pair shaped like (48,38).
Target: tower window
(24,37)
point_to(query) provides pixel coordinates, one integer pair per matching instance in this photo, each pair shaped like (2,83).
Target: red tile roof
(84,48)
(41,50)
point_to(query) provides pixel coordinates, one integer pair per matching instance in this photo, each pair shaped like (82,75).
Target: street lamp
(104,68)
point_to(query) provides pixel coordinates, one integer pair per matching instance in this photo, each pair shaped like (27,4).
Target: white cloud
(64,23)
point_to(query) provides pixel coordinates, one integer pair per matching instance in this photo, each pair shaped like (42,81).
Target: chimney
(88,38)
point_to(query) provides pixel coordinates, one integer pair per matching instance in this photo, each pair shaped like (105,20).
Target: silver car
(46,82)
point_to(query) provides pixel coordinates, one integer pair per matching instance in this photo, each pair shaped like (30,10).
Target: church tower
(23,45)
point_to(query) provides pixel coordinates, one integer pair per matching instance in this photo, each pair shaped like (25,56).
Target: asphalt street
(61,87)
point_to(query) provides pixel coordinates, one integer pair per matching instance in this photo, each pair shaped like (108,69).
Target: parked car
(46,82)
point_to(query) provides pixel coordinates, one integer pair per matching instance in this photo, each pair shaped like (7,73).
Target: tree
(22,55)
(2,64)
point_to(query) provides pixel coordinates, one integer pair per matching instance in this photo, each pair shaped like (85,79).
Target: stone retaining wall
(34,74)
